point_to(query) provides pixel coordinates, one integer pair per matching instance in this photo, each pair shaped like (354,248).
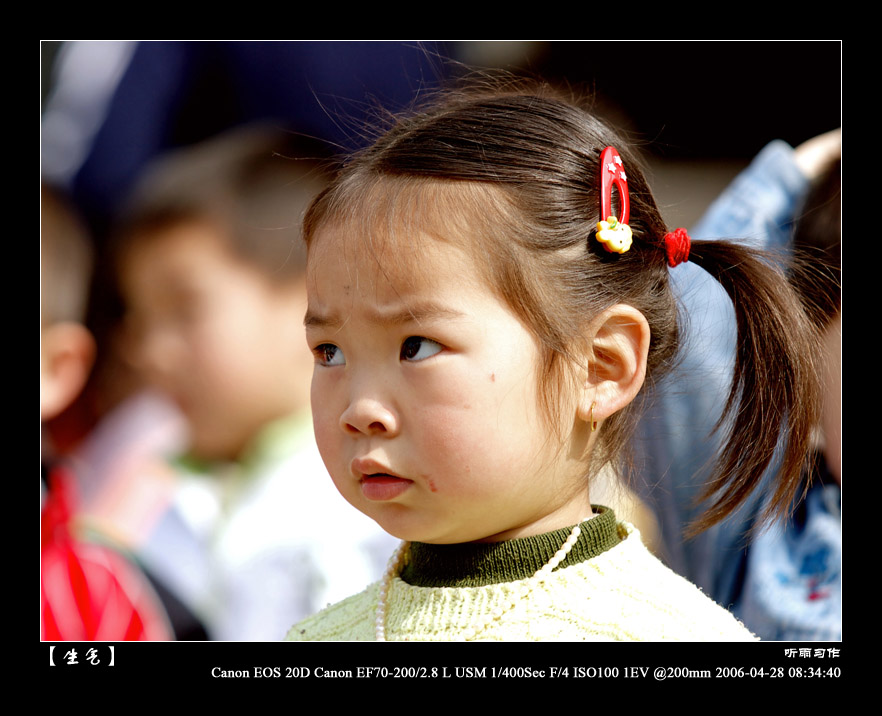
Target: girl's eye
(417,348)
(329,355)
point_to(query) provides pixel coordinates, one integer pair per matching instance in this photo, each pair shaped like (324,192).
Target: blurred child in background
(88,591)
(211,270)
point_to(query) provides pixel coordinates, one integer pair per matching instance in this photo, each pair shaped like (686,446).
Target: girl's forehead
(401,259)
(353,283)
(395,226)
(395,236)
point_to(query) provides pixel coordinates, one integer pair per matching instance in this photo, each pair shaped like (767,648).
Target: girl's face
(424,397)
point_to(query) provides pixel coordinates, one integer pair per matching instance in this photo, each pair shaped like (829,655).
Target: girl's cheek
(323,409)
(327,440)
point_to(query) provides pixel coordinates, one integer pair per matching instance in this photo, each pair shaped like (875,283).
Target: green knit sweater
(609,588)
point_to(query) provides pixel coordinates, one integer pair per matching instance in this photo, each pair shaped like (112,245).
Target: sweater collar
(477,564)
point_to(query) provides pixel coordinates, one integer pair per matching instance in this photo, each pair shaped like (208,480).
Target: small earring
(591,418)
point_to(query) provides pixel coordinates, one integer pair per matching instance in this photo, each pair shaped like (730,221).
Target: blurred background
(701,109)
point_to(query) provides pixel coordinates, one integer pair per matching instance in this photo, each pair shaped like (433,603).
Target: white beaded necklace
(524,587)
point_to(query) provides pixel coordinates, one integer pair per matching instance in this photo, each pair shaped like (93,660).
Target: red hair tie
(677,244)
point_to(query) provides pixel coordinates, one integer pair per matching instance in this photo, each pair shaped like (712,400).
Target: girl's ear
(617,343)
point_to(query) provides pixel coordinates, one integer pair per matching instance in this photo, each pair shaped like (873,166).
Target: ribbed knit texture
(622,594)
(476,564)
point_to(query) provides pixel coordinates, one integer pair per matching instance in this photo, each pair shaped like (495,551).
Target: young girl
(488,294)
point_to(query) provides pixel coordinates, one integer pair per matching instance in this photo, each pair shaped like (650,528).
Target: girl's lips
(381,487)
(378,484)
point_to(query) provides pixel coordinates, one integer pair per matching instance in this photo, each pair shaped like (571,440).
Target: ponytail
(775,397)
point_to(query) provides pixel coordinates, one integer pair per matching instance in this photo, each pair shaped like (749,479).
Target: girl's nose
(369,416)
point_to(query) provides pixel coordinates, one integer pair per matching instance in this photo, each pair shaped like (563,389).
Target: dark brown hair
(524,163)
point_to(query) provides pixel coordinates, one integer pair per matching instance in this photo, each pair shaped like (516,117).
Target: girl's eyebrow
(410,314)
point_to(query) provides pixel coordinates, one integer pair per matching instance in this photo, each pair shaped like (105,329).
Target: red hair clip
(613,233)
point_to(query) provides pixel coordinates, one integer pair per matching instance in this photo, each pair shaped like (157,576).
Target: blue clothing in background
(167,94)
(792,588)
(784,584)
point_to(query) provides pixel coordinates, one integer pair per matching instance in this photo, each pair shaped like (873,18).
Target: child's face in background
(424,397)
(215,335)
